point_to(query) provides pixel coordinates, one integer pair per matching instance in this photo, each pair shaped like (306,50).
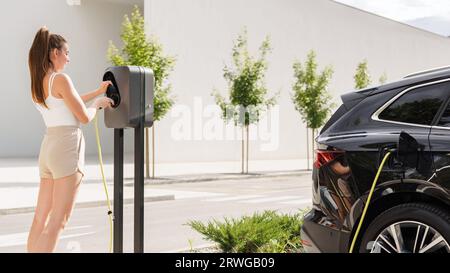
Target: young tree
(310,96)
(362,76)
(141,50)
(383,78)
(247,92)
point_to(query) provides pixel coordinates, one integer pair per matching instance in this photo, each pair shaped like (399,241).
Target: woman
(61,157)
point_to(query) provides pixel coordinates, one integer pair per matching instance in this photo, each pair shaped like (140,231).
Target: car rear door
(440,143)
(415,110)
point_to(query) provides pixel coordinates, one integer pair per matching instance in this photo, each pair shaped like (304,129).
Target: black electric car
(409,211)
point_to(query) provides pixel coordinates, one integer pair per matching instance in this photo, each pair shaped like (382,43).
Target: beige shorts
(62,152)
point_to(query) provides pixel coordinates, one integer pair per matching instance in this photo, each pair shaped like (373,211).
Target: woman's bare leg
(43,207)
(64,194)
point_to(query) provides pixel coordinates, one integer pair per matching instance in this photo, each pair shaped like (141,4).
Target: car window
(418,106)
(445,118)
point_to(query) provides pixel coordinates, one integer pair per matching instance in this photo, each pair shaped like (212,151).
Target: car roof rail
(436,69)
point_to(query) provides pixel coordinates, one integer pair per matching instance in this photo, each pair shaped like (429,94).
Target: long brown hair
(39,61)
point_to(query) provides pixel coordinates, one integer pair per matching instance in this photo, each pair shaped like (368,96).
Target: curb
(90,204)
(205,248)
(214,177)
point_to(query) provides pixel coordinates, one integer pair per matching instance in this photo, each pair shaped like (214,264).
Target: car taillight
(322,157)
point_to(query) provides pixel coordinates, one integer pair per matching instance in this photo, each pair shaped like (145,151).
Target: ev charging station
(132,93)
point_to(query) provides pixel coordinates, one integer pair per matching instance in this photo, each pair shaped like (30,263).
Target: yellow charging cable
(368,202)
(110,213)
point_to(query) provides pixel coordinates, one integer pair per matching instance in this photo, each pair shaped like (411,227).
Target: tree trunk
(247,146)
(147,155)
(313,142)
(307,148)
(153,151)
(242,145)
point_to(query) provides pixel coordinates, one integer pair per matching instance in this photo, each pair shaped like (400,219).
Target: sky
(431,15)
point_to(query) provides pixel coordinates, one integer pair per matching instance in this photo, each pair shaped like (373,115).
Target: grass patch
(266,232)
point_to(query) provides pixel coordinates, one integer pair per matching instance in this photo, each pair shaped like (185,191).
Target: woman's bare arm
(87,97)
(73,100)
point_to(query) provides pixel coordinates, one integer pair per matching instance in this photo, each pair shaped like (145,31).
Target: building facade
(200,34)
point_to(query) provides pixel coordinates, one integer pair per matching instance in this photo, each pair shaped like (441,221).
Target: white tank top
(58,113)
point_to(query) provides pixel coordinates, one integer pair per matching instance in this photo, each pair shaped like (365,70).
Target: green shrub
(266,232)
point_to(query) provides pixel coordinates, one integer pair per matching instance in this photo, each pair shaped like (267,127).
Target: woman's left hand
(103,87)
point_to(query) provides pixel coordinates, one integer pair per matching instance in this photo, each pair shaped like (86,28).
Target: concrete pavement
(19,179)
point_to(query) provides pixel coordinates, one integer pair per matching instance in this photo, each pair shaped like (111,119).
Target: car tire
(405,220)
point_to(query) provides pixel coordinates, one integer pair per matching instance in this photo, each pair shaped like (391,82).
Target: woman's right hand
(103,102)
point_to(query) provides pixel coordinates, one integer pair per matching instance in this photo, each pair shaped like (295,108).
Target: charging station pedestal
(132,92)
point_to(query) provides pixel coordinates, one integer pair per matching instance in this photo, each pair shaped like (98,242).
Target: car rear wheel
(409,228)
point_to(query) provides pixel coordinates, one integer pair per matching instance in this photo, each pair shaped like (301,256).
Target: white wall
(87,27)
(201,33)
